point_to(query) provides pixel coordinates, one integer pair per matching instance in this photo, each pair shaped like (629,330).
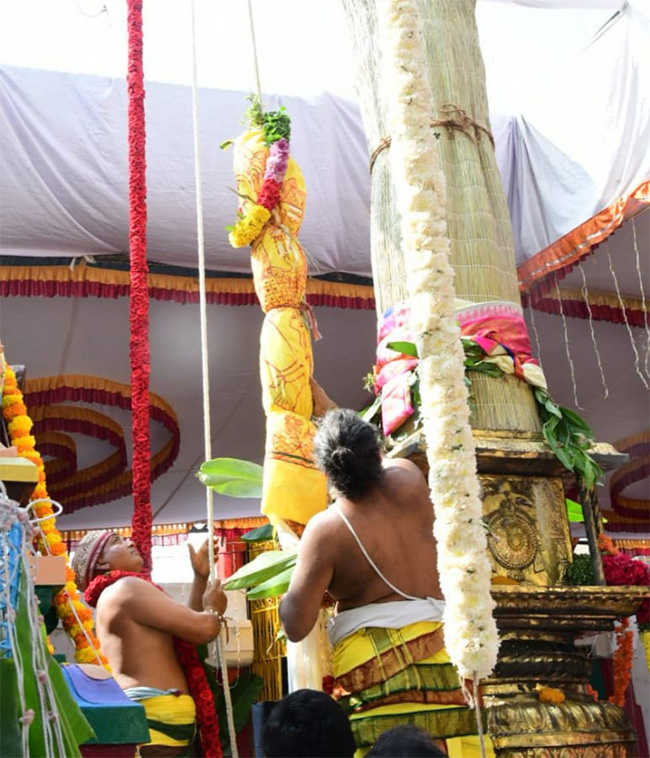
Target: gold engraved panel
(528,531)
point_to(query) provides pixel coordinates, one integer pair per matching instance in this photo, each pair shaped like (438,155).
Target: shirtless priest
(373,550)
(147,637)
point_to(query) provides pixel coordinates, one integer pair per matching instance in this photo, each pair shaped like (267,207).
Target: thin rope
(36,520)
(643,303)
(566,345)
(585,297)
(254,45)
(538,347)
(479,716)
(627,323)
(205,374)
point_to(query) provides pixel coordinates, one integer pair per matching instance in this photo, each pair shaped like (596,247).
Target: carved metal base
(538,627)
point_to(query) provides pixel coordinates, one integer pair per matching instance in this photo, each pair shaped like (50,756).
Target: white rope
(254,45)
(621,304)
(13,643)
(479,715)
(49,716)
(538,347)
(646,321)
(44,542)
(585,297)
(566,346)
(205,378)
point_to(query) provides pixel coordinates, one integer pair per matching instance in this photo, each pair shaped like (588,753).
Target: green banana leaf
(74,727)
(574,511)
(10,739)
(276,585)
(266,566)
(261,534)
(406,348)
(233,477)
(368,413)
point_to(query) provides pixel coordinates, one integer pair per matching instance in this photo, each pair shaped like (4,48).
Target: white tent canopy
(569,92)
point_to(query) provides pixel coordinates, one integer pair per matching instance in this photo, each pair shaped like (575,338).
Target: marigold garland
(622,662)
(76,617)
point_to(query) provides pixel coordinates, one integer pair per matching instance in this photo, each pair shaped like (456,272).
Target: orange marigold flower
(20,426)
(550,695)
(84,614)
(12,399)
(87,655)
(24,443)
(32,456)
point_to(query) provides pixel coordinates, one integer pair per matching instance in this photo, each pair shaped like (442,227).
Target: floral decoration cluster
(620,570)
(77,619)
(463,564)
(277,131)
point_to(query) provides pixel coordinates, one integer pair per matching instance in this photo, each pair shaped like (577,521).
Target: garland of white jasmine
(463,564)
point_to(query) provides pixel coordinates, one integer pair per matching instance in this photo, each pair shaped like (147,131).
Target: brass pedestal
(538,616)
(538,627)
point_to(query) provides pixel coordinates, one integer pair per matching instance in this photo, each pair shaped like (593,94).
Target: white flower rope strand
(465,571)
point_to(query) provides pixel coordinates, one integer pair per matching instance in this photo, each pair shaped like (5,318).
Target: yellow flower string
(76,617)
(249,227)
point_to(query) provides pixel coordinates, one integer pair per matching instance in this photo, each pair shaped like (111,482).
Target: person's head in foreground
(405,741)
(347,450)
(101,552)
(307,724)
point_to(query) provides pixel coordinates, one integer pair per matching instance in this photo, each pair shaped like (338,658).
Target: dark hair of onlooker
(307,724)
(347,450)
(405,741)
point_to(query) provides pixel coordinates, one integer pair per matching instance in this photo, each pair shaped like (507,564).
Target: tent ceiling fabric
(572,129)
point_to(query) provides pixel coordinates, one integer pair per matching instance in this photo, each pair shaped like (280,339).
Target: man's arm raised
(312,576)
(146,605)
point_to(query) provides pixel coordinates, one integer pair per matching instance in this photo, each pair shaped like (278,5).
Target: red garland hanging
(139,302)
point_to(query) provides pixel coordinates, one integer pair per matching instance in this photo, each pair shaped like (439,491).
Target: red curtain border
(538,274)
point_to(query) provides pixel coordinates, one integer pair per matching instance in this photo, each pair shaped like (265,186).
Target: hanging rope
(626,320)
(205,377)
(254,45)
(139,300)
(585,297)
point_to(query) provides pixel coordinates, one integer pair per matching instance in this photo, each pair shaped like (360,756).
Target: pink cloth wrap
(494,325)
(490,325)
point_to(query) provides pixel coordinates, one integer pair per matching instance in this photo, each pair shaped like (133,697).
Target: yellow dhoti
(385,677)
(171,718)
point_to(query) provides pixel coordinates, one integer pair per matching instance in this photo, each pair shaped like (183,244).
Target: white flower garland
(471,636)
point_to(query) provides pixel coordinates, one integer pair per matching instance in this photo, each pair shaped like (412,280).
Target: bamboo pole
(479,224)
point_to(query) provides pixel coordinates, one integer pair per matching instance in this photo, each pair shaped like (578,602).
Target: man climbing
(373,550)
(145,634)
